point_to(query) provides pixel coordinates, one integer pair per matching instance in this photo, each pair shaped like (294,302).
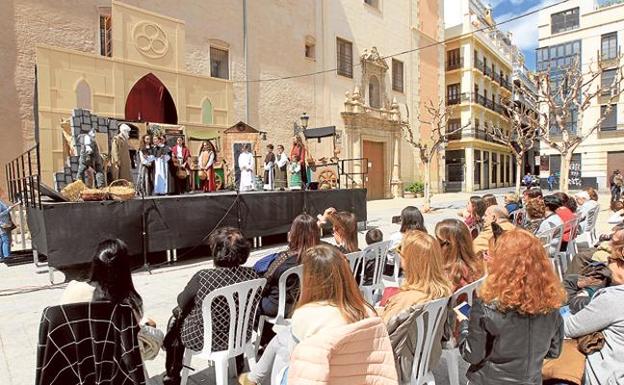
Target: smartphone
(565,311)
(396,219)
(463,308)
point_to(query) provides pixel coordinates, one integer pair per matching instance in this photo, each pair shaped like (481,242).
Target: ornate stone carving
(150,39)
(373,57)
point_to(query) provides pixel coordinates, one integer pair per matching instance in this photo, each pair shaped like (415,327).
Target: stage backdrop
(67,233)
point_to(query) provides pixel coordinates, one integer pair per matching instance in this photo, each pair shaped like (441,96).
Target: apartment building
(479,71)
(218,60)
(593,32)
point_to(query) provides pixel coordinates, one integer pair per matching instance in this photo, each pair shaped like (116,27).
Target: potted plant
(415,189)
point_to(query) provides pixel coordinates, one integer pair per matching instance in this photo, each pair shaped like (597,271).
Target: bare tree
(520,137)
(438,119)
(564,92)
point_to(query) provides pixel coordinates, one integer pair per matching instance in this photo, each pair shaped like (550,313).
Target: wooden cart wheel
(328,179)
(218,182)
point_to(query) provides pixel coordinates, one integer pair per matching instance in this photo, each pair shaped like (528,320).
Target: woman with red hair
(516,322)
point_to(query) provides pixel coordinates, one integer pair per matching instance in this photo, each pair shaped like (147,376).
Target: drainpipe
(246,59)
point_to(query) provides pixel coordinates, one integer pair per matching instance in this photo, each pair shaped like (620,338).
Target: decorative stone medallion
(150,39)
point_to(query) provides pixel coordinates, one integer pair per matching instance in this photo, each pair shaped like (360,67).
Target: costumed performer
(180,155)
(206,160)
(120,154)
(281,169)
(295,173)
(298,149)
(245,163)
(90,157)
(269,170)
(161,167)
(145,181)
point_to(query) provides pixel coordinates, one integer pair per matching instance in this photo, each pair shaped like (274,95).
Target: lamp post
(303,119)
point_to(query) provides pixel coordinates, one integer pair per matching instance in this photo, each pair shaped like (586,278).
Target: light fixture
(304,120)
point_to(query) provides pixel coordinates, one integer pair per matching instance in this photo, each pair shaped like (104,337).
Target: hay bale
(73,190)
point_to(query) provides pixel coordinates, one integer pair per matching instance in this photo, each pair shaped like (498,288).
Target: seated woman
(304,234)
(566,212)
(511,203)
(411,219)
(344,226)
(111,280)
(536,210)
(515,323)
(230,250)
(329,298)
(489,200)
(473,215)
(604,313)
(460,262)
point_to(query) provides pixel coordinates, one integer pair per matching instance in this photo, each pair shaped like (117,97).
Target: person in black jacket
(304,234)
(230,250)
(515,323)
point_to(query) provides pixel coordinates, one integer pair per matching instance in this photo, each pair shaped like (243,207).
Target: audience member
(552,220)
(511,203)
(515,323)
(489,200)
(373,236)
(458,257)
(411,219)
(493,214)
(617,207)
(531,193)
(536,211)
(230,250)
(473,215)
(304,234)
(329,298)
(593,193)
(566,213)
(585,205)
(604,314)
(344,225)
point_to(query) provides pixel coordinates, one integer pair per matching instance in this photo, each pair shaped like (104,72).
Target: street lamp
(304,118)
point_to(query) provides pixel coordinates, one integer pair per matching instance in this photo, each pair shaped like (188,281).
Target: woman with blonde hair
(344,225)
(458,257)
(425,278)
(515,323)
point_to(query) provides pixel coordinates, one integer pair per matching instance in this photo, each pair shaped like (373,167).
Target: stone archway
(150,101)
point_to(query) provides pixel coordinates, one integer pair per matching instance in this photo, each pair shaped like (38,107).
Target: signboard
(574,174)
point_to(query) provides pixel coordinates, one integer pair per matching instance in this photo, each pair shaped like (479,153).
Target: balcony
(452,100)
(455,136)
(455,64)
(505,83)
(478,64)
(477,133)
(611,132)
(487,71)
(496,77)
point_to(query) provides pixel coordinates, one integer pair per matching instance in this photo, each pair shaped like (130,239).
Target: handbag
(262,266)
(9,226)
(591,343)
(150,341)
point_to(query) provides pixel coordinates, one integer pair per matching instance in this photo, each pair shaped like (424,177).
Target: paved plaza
(25,290)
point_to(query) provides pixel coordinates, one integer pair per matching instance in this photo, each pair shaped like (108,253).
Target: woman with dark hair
(566,212)
(206,160)
(110,279)
(329,298)
(304,234)
(145,183)
(460,261)
(489,200)
(511,331)
(230,251)
(551,220)
(411,219)
(344,226)
(473,215)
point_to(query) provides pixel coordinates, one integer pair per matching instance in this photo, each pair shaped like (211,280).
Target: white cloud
(524,30)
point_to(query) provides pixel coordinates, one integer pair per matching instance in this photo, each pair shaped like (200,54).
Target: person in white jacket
(245,163)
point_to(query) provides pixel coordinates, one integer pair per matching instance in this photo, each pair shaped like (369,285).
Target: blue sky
(525,29)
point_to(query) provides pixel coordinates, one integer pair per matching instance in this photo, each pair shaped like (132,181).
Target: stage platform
(67,233)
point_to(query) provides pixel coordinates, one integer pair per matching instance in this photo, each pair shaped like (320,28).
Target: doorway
(150,101)
(486,171)
(376,178)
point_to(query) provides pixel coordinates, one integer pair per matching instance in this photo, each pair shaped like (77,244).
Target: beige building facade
(585,29)
(478,77)
(264,63)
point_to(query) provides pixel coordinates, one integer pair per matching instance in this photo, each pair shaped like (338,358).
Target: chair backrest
(545,238)
(592,218)
(427,324)
(242,299)
(469,290)
(376,252)
(354,260)
(518,217)
(572,224)
(281,284)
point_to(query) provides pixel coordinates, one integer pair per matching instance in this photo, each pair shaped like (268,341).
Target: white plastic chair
(376,252)
(433,316)
(545,239)
(281,305)
(556,237)
(589,235)
(354,260)
(450,355)
(571,249)
(241,325)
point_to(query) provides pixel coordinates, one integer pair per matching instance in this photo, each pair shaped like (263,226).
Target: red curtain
(150,101)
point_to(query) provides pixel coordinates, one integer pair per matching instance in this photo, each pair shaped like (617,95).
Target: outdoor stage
(67,233)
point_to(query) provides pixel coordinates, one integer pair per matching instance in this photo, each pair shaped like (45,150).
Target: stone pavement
(25,291)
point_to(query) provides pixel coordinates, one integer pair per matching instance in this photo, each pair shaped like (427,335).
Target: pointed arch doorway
(150,101)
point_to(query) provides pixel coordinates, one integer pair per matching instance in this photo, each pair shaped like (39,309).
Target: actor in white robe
(245,163)
(161,168)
